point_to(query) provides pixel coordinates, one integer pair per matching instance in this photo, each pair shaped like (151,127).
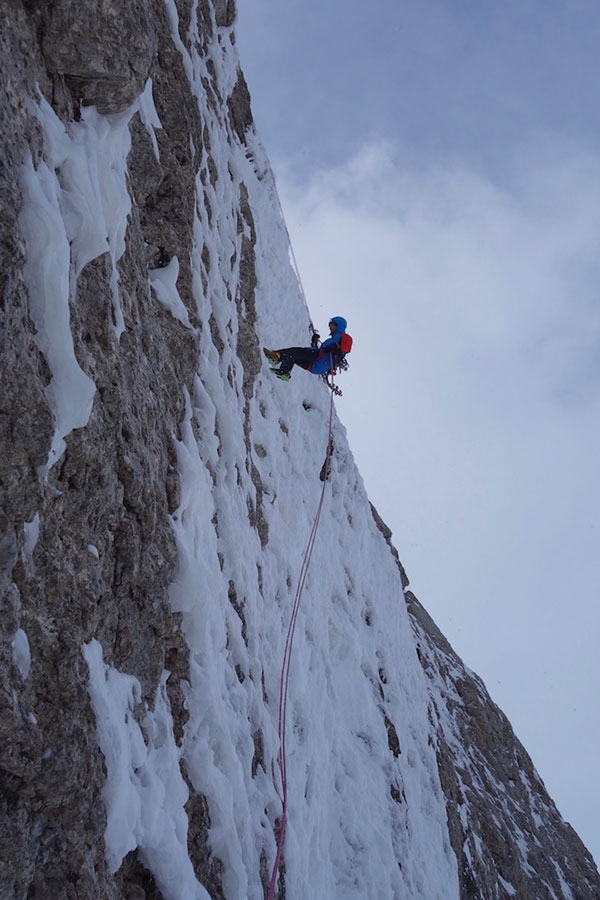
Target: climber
(319,358)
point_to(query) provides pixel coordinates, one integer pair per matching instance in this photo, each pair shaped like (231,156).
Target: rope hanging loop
(287,656)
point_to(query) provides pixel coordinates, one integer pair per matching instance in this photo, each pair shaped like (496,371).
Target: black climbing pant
(297,356)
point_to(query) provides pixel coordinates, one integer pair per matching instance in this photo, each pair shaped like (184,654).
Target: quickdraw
(343,366)
(330,384)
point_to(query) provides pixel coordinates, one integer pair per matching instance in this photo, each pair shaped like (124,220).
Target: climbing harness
(287,655)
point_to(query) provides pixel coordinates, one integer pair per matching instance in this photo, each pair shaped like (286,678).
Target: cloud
(496,281)
(472,406)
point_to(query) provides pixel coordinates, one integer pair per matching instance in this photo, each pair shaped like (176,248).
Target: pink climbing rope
(287,656)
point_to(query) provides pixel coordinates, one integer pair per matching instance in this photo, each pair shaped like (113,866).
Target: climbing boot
(272,356)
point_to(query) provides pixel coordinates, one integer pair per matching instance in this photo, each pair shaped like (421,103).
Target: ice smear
(90,160)
(71,391)
(149,115)
(173,18)
(164,285)
(567,893)
(21,653)
(71,155)
(76,207)
(144,793)
(31,532)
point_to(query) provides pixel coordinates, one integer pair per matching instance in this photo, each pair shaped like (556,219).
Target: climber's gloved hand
(316,339)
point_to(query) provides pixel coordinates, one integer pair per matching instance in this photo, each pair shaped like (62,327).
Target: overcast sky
(439,169)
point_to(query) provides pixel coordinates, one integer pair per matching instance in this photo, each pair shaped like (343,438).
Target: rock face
(503,826)
(93,430)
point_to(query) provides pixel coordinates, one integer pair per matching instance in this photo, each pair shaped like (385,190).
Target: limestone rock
(104,50)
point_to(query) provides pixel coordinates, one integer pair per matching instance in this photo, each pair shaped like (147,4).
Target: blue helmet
(340,323)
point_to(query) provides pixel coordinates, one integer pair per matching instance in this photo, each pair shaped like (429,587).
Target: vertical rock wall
(89,550)
(90,514)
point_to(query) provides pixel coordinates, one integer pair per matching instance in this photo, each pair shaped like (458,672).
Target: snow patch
(71,391)
(149,115)
(567,893)
(508,887)
(76,207)
(144,792)
(21,653)
(31,532)
(164,284)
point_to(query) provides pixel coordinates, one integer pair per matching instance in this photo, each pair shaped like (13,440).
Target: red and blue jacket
(330,352)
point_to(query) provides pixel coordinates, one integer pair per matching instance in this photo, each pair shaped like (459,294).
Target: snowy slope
(367,813)
(354,666)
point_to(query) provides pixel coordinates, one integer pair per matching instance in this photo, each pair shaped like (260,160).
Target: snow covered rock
(508,836)
(159,488)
